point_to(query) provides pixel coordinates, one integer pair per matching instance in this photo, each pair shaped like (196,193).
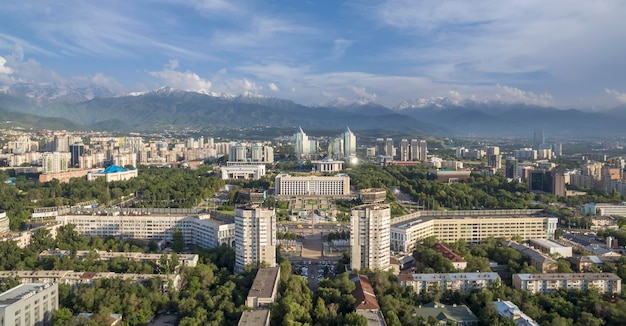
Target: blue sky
(558,53)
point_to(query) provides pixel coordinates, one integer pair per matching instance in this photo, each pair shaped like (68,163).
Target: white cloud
(273,87)
(621,97)
(3,68)
(513,94)
(186,80)
(340,46)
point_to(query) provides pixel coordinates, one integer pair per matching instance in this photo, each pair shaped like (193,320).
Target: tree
(41,240)
(178,242)
(354,319)
(62,317)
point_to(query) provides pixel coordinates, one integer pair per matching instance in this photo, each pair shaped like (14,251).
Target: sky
(565,54)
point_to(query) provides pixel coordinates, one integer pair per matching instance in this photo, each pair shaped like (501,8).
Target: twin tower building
(255,237)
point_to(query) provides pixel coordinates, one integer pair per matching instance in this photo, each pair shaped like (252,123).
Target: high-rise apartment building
(370,236)
(256,153)
(255,236)
(415,153)
(494,159)
(423,148)
(389,149)
(55,162)
(405,151)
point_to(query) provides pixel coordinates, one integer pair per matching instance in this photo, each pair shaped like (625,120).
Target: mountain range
(96,108)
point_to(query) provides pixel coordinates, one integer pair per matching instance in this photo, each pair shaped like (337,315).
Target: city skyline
(313,53)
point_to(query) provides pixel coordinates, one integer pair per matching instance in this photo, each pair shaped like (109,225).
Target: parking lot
(315,271)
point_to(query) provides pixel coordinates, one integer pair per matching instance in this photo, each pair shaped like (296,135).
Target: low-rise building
(462,282)
(366,303)
(113,173)
(457,260)
(264,287)
(550,247)
(252,172)
(547,283)
(204,230)
(473,226)
(540,262)
(29,304)
(373,195)
(73,278)
(603,222)
(456,314)
(510,310)
(189,260)
(258,317)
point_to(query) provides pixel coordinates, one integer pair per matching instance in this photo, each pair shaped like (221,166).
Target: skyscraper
(76,150)
(370,236)
(255,236)
(301,143)
(380,146)
(511,168)
(349,143)
(538,138)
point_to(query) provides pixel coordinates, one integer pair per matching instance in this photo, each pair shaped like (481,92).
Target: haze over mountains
(95,107)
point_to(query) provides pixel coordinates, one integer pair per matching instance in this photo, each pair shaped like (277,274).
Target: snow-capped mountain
(47,92)
(433,102)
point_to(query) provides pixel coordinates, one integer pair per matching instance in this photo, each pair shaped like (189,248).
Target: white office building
(338,185)
(473,226)
(551,282)
(29,304)
(255,236)
(200,230)
(369,237)
(252,172)
(461,282)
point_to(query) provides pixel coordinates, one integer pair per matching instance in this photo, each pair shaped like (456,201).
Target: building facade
(369,240)
(547,283)
(338,185)
(253,172)
(29,304)
(200,230)
(461,282)
(255,236)
(471,226)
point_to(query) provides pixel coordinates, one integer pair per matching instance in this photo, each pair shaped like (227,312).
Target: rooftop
(449,277)
(451,313)
(448,253)
(254,317)
(20,292)
(569,276)
(547,243)
(509,309)
(264,282)
(364,294)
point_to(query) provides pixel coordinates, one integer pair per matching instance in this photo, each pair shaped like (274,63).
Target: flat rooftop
(569,276)
(254,317)
(263,285)
(547,243)
(21,291)
(450,277)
